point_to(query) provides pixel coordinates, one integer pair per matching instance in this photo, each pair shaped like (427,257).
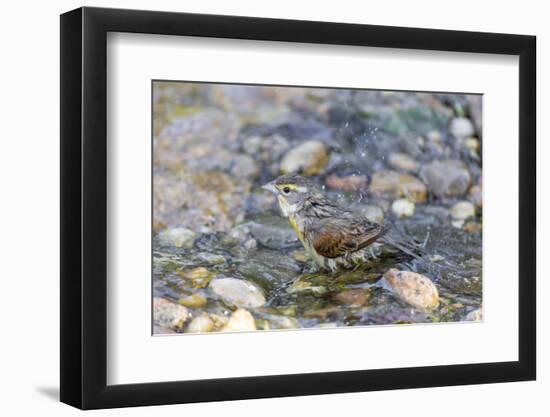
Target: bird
(334,236)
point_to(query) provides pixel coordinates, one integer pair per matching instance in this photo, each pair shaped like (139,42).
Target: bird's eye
(286,190)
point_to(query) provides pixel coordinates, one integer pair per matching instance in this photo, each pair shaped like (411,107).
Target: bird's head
(291,191)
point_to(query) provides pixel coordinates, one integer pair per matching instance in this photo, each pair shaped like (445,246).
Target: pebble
(445,178)
(240,321)
(350,183)
(461,127)
(200,277)
(373,213)
(353,297)
(476,195)
(392,184)
(275,235)
(476,315)
(402,208)
(200,324)
(179,237)
(210,258)
(402,162)
(414,289)
(238,292)
(193,301)
(244,166)
(309,158)
(472,144)
(168,314)
(462,210)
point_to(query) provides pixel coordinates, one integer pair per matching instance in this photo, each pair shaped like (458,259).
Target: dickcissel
(334,236)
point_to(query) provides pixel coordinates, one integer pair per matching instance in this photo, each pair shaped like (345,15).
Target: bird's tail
(393,237)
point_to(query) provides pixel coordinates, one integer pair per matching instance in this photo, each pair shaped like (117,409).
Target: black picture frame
(84,207)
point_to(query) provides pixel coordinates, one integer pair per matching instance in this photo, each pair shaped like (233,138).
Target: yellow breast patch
(294,224)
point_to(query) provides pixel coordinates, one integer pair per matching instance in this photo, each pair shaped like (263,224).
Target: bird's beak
(270,186)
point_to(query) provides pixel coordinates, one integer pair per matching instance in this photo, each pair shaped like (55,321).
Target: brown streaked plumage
(333,235)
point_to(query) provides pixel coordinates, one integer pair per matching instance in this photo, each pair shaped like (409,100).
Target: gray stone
(448,177)
(461,128)
(238,292)
(180,237)
(309,158)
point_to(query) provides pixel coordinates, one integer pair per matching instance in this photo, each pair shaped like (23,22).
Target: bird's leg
(372,254)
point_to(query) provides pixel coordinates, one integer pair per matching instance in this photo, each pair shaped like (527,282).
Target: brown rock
(350,183)
(414,289)
(394,185)
(353,297)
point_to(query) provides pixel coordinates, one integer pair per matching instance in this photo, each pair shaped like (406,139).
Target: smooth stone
(475,315)
(414,289)
(282,322)
(309,158)
(169,314)
(462,210)
(373,213)
(200,324)
(240,321)
(353,297)
(211,258)
(393,185)
(278,235)
(180,237)
(350,183)
(193,301)
(445,178)
(300,255)
(238,292)
(402,162)
(476,195)
(434,136)
(461,127)
(472,144)
(244,166)
(199,277)
(403,208)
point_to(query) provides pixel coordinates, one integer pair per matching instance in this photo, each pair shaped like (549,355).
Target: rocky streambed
(225,260)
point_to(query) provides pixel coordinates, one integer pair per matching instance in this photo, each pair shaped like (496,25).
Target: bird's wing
(333,238)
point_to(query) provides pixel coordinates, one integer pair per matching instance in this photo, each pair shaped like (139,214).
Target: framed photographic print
(257,207)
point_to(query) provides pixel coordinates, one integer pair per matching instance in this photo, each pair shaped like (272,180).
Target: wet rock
(300,255)
(301,286)
(274,234)
(179,237)
(238,292)
(402,162)
(402,208)
(323,313)
(200,324)
(309,158)
(475,111)
(169,314)
(476,315)
(414,289)
(462,210)
(250,244)
(473,227)
(446,178)
(472,144)
(461,128)
(355,297)
(244,166)
(210,258)
(373,213)
(476,195)
(199,277)
(158,225)
(240,321)
(392,184)
(350,183)
(193,301)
